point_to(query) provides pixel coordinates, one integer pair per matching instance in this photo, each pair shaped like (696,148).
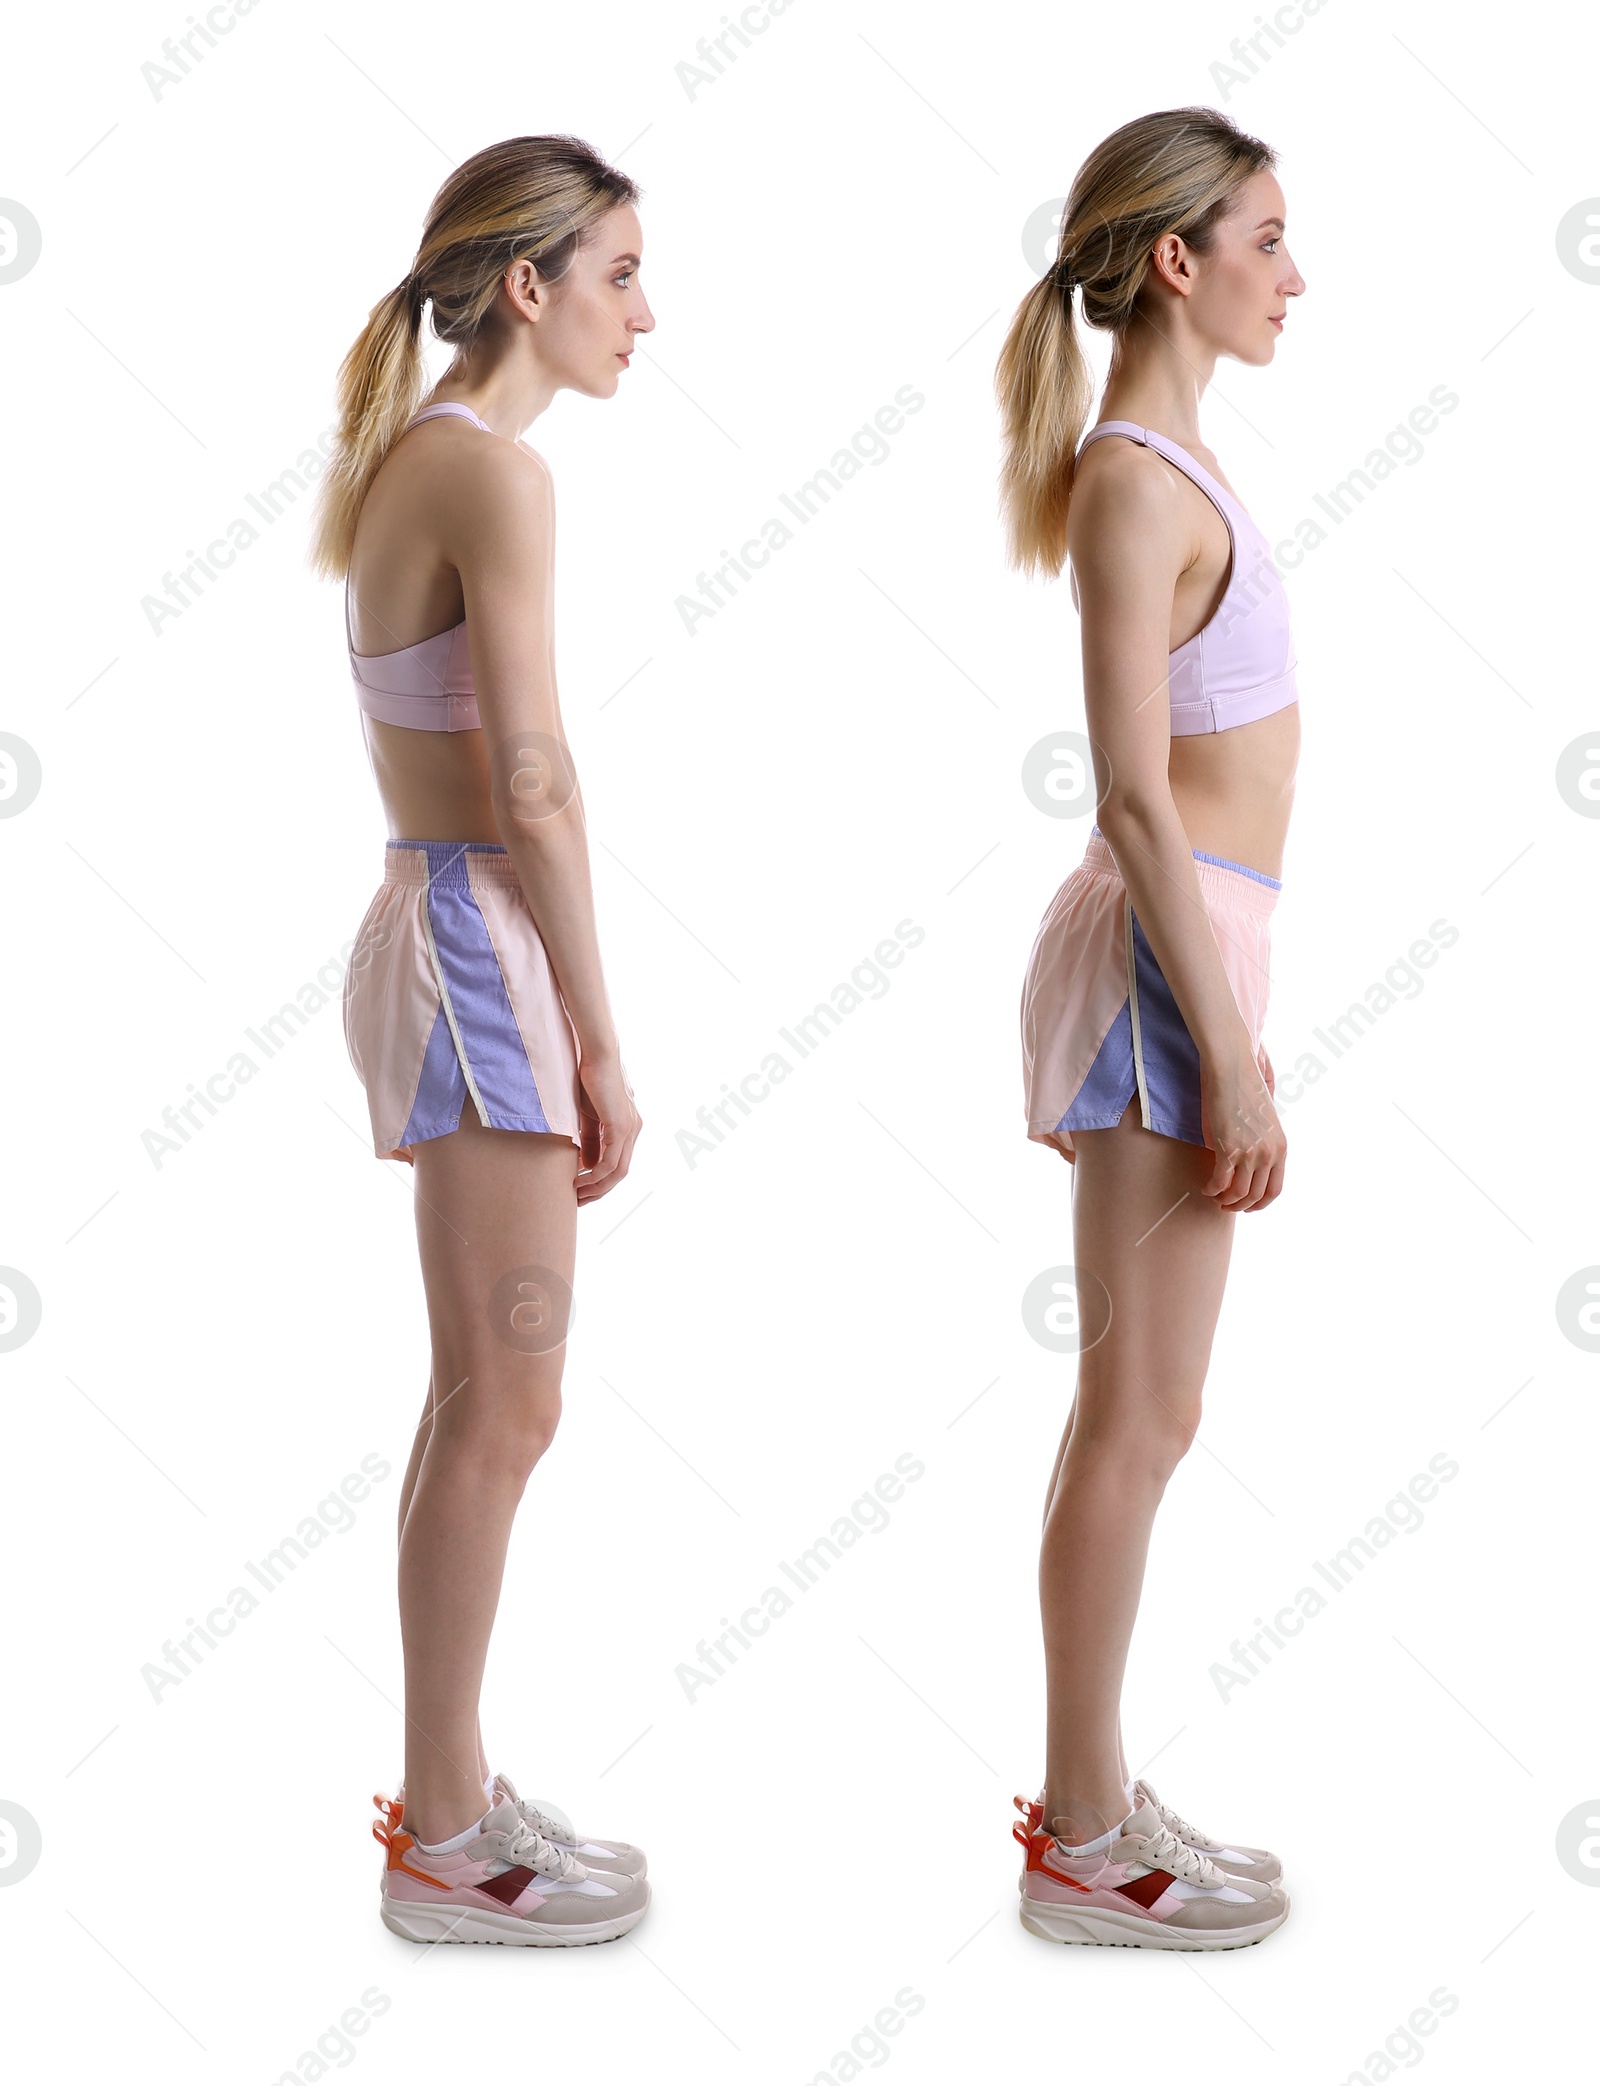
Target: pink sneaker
(509,1884)
(1256,1863)
(1146,1890)
(605,1857)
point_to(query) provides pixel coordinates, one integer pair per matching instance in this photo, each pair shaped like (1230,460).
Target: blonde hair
(1177,170)
(526,198)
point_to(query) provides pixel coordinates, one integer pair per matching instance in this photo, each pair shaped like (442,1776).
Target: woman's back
(409,643)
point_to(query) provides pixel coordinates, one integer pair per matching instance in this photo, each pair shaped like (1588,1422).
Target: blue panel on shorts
(441,1090)
(1171,1061)
(496,1053)
(1099,1102)
(1171,1058)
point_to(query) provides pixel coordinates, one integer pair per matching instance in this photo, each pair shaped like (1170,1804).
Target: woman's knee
(504,1418)
(530,1427)
(1168,1422)
(1177,1436)
(1145,1442)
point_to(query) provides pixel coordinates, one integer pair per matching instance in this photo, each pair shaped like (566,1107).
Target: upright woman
(1147,985)
(475,1008)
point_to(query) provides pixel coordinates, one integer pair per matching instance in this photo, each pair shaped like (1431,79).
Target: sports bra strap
(1164,445)
(448,405)
(1113,427)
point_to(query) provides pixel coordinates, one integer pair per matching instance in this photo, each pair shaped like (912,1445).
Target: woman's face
(589,321)
(1241,289)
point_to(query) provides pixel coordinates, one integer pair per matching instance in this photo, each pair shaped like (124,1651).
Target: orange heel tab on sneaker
(1037,1844)
(1034,1842)
(400,1845)
(397,1842)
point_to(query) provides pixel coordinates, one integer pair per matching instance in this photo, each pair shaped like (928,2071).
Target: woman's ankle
(488,1789)
(1078,1821)
(435,1815)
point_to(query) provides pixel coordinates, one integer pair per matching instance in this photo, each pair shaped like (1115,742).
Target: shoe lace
(538,1821)
(1163,1849)
(1174,1824)
(528,1848)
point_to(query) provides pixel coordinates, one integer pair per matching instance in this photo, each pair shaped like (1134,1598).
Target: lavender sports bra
(428,685)
(1241,665)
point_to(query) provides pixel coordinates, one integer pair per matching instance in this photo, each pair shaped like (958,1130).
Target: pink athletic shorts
(1099,1022)
(450,994)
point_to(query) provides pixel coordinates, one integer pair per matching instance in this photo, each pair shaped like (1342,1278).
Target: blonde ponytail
(380,383)
(1177,170)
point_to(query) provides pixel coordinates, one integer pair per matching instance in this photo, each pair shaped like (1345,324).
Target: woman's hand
(610,1124)
(1240,1125)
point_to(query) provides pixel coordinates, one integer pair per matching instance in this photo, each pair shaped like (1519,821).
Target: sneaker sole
(432,1923)
(1105,1929)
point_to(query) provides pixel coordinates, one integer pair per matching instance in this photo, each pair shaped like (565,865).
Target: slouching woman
(475,1006)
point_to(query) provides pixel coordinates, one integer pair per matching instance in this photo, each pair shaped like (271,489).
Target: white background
(759,1336)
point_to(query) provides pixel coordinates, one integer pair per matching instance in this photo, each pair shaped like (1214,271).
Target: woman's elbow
(533,789)
(1141,807)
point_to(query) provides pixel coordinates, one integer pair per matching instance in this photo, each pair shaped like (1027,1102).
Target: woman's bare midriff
(1234,789)
(434,785)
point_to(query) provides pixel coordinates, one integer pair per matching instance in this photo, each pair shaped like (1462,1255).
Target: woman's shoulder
(1129,531)
(526,449)
(496,476)
(1121,486)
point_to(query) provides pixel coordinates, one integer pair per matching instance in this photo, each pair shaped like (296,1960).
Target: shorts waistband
(444,862)
(1232,883)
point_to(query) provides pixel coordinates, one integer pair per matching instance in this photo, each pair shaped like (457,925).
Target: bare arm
(499,533)
(1129,540)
